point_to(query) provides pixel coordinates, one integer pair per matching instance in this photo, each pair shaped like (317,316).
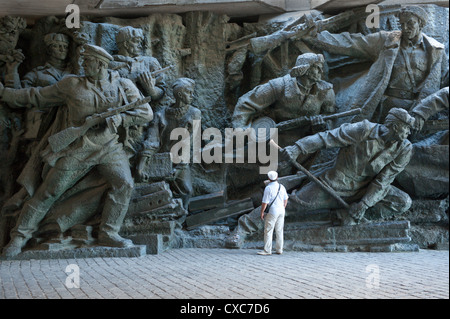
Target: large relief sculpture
(88,119)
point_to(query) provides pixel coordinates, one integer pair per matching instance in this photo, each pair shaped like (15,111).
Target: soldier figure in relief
(84,96)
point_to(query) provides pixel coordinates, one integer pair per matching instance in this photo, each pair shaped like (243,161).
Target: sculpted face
(8,39)
(186,94)
(411,27)
(59,50)
(94,68)
(134,46)
(401,131)
(315,72)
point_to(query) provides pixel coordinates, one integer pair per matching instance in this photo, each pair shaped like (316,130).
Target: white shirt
(270,192)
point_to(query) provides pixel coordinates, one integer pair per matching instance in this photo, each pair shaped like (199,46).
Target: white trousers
(272,223)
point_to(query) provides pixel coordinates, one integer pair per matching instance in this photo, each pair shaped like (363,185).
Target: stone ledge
(87,252)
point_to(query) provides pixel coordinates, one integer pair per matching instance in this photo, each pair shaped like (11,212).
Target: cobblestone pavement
(230,274)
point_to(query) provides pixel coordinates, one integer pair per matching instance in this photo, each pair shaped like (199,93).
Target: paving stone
(195,273)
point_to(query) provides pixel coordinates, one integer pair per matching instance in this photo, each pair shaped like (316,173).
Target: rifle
(61,140)
(436,125)
(152,73)
(314,179)
(304,120)
(265,43)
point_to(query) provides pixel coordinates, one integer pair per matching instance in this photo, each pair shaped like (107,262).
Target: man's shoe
(279,252)
(114,241)
(264,253)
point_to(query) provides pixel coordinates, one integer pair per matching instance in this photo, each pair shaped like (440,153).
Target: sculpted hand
(290,153)
(92,120)
(419,123)
(142,175)
(357,210)
(16,58)
(147,81)
(318,124)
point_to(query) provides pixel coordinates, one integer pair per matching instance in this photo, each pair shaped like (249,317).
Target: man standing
(276,196)
(84,97)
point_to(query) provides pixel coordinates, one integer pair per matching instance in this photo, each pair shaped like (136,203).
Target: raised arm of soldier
(149,85)
(429,106)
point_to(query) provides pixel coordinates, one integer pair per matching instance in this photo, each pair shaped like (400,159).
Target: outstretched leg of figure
(395,202)
(118,175)
(34,210)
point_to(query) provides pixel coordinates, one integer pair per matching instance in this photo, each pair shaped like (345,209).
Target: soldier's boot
(112,219)
(247,225)
(29,217)
(14,247)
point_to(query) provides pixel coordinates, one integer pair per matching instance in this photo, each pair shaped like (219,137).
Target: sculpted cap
(304,61)
(397,114)
(416,11)
(55,37)
(96,51)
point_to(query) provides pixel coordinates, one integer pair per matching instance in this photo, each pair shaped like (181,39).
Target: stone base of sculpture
(373,237)
(84,252)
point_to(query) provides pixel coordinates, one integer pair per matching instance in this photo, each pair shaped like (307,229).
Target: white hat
(272,175)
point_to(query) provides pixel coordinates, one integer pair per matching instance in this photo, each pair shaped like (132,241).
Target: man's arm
(263,208)
(41,97)
(139,115)
(345,135)
(366,47)
(430,105)
(256,101)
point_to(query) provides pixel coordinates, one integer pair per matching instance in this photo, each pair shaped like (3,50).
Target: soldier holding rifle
(300,93)
(85,96)
(370,157)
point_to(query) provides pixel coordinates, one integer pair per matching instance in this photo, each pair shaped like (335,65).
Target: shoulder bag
(266,211)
